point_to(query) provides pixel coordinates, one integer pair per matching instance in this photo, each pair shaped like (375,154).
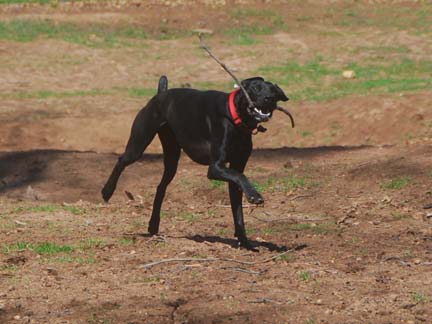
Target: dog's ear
(281,96)
(245,83)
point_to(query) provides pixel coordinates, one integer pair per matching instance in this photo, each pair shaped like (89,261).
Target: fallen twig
(129,195)
(262,301)
(300,196)
(242,270)
(293,218)
(152,264)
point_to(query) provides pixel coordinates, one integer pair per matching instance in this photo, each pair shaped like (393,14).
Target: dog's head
(265,95)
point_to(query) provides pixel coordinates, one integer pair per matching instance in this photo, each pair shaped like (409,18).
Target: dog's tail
(163,84)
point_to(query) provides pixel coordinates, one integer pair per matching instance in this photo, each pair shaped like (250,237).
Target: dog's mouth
(259,115)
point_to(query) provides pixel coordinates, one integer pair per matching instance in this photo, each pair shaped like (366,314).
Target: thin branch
(242,270)
(151,264)
(204,46)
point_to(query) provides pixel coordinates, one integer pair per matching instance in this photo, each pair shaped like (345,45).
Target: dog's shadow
(272,247)
(235,244)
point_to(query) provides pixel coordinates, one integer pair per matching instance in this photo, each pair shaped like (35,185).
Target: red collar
(233,111)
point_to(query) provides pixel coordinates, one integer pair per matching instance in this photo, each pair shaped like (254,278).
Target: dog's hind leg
(171,150)
(144,129)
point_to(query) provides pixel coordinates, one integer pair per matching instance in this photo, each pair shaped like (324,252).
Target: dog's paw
(255,198)
(245,244)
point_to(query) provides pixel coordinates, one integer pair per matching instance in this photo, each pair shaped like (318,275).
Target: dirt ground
(343,237)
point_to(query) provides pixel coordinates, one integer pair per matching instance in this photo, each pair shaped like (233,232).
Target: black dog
(213,128)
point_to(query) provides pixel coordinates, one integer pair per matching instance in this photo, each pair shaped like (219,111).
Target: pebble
(417,261)
(349,74)
(17,317)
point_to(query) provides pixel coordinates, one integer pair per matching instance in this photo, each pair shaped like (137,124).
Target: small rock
(17,317)
(349,74)
(318,302)
(416,261)
(410,322)
(132,252)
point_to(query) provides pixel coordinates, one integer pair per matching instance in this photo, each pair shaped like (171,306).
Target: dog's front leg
(218,171)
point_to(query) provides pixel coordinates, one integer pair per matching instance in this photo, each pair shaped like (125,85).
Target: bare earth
(342,247)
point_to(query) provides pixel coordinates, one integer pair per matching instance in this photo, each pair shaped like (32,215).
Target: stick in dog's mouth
(261,115)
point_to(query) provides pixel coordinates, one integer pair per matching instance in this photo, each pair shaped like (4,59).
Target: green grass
(397,183)
(190,217)
(46,94)
(217,184)
(245,35)
(420,297)
(52,248)
(283,184)
(91,243)
(133,92)
(305,275)
(91,35)
(125,241)
(25,1)
(75,210)
(306,81)
(40,248)
(141,92)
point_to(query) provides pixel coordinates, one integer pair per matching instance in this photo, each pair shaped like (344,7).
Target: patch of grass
(16,247)
(306,134)
(152,279)
(125,241)
(244,39)
(141,92)
(91,243)
(420,297)
(252,12)
(92,35)
(46,94)
(283,184)
(321,228)
(306,81)
(190,217)
(305,275)
(75,210)
(217,184)
(397,183)
(37,209)
(8,267)
(244,35)
(40,248)
(25,1)
(52,248)
(400,216)
(222,232)
(286,258)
